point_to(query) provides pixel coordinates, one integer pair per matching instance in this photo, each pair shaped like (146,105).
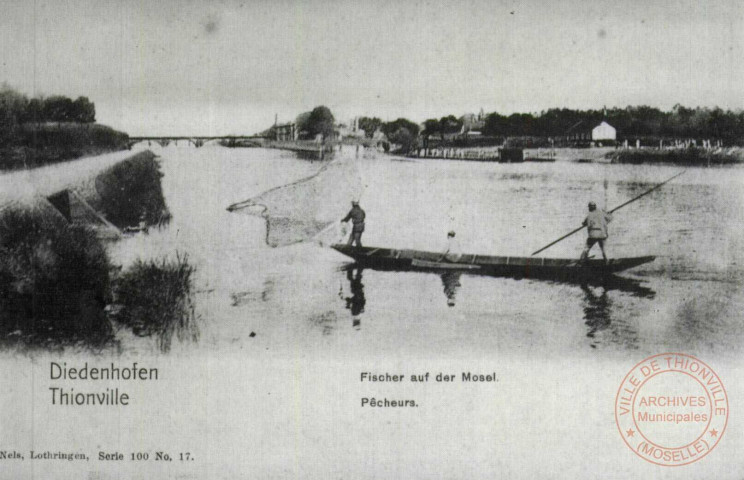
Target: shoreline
(61,288)
(22,185)
(37,145)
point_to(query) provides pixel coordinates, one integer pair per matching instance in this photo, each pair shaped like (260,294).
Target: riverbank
(679,156)
(567,154)
(306,148)
(58,286)
(682,156)
(119,186)
(36,145)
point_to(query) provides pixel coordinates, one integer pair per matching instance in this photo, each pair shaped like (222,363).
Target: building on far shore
(604,131)
(349,130)
(285,132)
(472,124)
(583,133)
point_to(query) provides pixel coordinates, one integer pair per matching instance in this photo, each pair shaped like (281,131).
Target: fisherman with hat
(596,224)
(356,215)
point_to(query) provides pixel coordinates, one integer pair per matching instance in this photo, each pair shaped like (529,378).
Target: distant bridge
(198,141)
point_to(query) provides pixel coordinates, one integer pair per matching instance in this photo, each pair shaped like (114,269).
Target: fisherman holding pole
(596,224)
(357,216)
(598,220)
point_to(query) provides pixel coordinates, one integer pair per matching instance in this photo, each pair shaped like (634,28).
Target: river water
(299,297)
(272,387)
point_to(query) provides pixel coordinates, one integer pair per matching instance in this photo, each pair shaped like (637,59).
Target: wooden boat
(518,267)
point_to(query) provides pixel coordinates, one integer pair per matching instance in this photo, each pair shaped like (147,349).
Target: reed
(54,281)
(156,300)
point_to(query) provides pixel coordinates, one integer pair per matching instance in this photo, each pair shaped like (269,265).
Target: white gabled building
(604,131)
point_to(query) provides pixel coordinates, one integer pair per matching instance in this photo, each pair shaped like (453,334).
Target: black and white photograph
(371,239)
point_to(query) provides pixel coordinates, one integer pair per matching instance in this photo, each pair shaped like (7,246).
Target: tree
(403,132)
(496,124)
(431,127)
(35,110)
(12,104)
(12,110)
(403,137)
(301,124)
(321,122)
(83,110)
(631,121)
(521,124)
(449,125)
(369,125)
(58,109)
(390,127)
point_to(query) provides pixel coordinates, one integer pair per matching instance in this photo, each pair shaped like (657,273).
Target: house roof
(581,126)
(576,127)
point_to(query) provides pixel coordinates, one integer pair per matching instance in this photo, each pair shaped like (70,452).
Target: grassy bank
(130,191)
(54,281)
(155,299)
(685,157)
(34,145)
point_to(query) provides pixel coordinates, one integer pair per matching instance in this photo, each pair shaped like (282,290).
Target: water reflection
(635,288)
(451,282)
(598,311)
(355,303)
(601,302)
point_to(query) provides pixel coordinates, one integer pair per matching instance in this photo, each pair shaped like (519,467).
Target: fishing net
(308,209)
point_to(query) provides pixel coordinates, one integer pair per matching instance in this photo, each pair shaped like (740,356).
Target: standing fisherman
(606,219)
(596,223)
(356,215)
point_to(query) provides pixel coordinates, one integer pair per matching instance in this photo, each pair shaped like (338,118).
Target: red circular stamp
(671,409)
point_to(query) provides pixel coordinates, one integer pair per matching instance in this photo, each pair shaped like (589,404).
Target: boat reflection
(597,301)
(451,282)
(598,311)
(635,288)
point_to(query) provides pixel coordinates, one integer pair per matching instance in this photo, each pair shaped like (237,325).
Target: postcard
(378,240)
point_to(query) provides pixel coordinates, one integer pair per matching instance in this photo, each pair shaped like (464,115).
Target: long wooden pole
(611,211)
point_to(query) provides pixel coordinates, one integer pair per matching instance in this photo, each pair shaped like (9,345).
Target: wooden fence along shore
(322,150)
(502,155)
(315,149)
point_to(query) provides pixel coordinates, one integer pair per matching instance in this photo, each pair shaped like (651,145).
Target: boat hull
(518,267)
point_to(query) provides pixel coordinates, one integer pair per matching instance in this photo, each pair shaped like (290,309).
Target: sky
(182,67)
